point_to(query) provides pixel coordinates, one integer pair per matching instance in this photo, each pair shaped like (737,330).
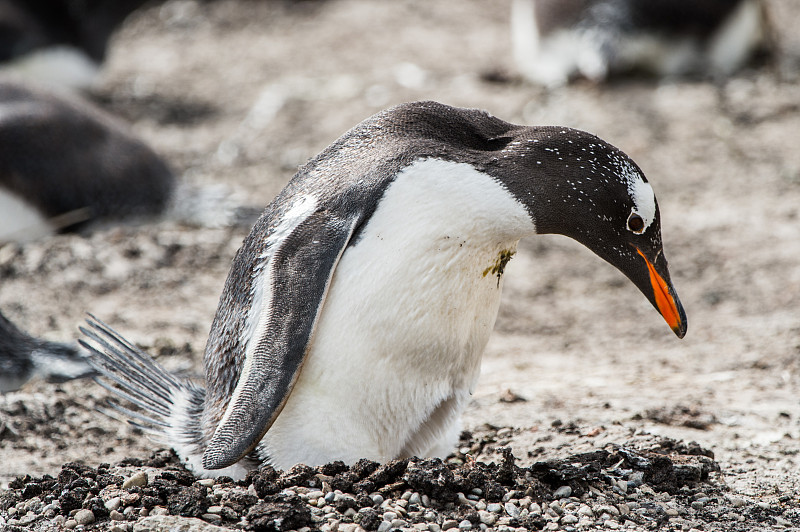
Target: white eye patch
(644,201)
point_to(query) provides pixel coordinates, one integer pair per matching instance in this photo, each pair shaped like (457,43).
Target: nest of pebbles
(621,487)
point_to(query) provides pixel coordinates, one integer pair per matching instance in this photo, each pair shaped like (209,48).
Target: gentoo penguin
(23,357)
(557,40)
(65,161)
(355,314)
(59,42)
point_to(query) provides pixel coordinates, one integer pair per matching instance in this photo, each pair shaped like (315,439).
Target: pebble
(487,518)
(465,525)
(535,508)
(494,507)
(139,479)
(207,482)
(116,516)
(512,510)
(737,502)
(113,504)
(399,523)
(385,526)
(563,492)
(449,524)
(569,519)
(377,498)
(84,517)
(70,524)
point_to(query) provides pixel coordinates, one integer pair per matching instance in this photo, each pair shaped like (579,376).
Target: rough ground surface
(239,93)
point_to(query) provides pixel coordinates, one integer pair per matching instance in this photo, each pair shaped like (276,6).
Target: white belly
(411,305)
(20,221)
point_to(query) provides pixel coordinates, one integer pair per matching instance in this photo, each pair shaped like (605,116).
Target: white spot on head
(644,200)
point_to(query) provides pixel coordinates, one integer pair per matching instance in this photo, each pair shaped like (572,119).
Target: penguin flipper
(300,272)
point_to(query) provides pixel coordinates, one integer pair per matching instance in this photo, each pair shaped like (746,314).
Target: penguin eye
(635,223)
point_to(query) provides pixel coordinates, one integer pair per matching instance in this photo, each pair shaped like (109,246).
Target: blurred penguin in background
(556,41)
(59,42)
(66,163)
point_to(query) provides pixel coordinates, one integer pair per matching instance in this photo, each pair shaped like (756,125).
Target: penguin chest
(408,314)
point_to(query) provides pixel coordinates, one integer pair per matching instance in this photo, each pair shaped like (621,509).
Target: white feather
(406,320)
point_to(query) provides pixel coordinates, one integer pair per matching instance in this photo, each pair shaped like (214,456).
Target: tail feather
(171,406)
(110,362)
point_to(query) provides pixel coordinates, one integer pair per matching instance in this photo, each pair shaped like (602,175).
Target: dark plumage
(23,357)
(63,155)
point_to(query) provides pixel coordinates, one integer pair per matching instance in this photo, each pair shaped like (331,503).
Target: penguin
(555,41)
(23,357)
(66,163)
(355,314)
(59,42)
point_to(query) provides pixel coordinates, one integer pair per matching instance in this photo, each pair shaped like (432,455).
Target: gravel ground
(582,381)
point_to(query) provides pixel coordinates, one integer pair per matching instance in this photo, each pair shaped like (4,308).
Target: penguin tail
(23,357)
(167,408)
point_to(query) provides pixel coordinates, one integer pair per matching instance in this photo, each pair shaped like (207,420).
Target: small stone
(465,525)
(433,527)
(512,510)
(399,523)
(330,497)
(414,499)
(449,524)
(672,512)
(697,505)
(160,510)
(487,518)
(84,517)
(601,509)
(535,508)
(116,516)
(137,480)
(377,498)
(480,505)
(216,509)
(113,504)
(780,521)
(385,526)
(737,502)
(495,508)
(563,492)
(426,501)
(613,525)
(207,482)
(389,516)
(556,507)
(585,510)
(569,519)
(70,524)
(211,518)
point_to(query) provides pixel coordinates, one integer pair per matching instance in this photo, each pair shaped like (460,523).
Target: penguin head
(577,185)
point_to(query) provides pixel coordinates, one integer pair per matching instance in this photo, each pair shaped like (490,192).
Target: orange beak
(666,301)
